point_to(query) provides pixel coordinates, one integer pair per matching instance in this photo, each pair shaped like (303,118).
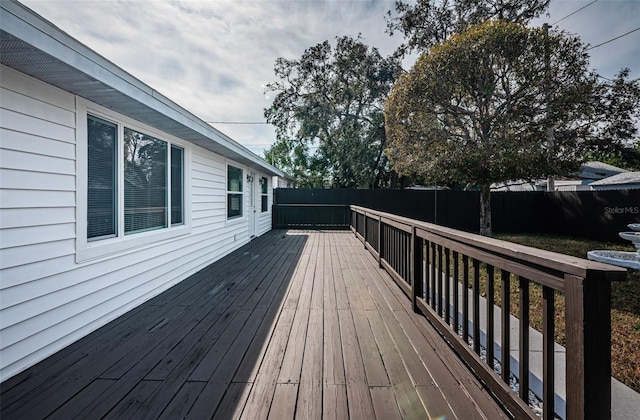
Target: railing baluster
(465,299)
(524,340)
(379,242)
(392,246)
(407,265)
(505,359)
(490,325)
(383,247)
(398,248)
(440,273)
(406,260)
(476,306)
(427,273)
(416,268)
(447,287)
(548,332)
(432,280)
(456,273)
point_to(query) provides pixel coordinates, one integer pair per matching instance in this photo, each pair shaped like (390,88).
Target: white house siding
(47,300)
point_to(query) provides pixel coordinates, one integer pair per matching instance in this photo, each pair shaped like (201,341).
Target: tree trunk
(485,210)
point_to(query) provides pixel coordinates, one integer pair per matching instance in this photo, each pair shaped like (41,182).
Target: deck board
(296,324)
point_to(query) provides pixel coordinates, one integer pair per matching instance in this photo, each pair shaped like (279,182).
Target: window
(264,184)
(102,189)
(177,182)
(234,192)
(145,182)
(152,177)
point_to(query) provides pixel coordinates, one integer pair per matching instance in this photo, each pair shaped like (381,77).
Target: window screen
(177,176)
(102,178)
(145,182)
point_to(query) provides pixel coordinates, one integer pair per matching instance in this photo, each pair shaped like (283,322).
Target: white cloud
(213,57)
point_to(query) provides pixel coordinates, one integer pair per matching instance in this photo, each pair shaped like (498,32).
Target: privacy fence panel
(597,215)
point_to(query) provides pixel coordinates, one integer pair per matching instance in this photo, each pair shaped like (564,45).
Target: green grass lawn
(625,304)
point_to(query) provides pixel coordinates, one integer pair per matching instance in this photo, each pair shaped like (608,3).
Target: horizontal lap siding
(47,300)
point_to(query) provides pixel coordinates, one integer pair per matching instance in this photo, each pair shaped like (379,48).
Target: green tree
(615,133)
(625,157)
(331,100)
(426,23)
(293,157)
(495,103)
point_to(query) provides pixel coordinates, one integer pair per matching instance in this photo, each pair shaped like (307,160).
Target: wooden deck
(296,324)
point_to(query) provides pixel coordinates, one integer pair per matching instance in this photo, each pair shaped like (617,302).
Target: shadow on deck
(295,324)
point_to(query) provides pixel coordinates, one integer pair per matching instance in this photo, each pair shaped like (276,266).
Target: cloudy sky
(214,57)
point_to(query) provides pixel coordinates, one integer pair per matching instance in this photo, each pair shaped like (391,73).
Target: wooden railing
(444,272)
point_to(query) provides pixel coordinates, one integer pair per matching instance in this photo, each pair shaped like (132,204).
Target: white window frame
(90,250)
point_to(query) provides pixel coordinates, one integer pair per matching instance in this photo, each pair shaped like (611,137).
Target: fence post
(588,332)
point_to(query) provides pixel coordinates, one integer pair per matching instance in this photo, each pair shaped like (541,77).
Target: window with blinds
(264,184)
(145,182)
(102,191)
(151,179)
(177,182)
(234,192)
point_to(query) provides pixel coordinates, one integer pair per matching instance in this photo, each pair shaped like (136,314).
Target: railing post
(364,231)
(588,331)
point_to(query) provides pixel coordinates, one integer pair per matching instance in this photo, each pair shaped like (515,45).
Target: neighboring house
(598,170)
(110,192)
(623,181)
(519,186)
(589,172)
(284,182)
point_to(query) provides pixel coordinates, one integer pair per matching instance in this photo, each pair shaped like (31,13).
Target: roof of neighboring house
(620,179)
(520,185)
(598,170)
(34,46)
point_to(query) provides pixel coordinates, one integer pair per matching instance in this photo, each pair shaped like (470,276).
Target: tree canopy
(430,22)
(331,100)
(500,102)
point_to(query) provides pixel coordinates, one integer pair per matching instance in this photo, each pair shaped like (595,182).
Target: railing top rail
(531,256)
(311,205)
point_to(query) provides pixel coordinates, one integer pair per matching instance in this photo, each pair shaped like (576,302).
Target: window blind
(177,176)
(101,179)
(145,182)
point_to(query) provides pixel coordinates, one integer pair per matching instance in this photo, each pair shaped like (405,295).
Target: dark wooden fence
(310,216)
(440,270)
(598,215)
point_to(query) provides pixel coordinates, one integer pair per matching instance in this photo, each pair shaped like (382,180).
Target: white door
(252,205)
